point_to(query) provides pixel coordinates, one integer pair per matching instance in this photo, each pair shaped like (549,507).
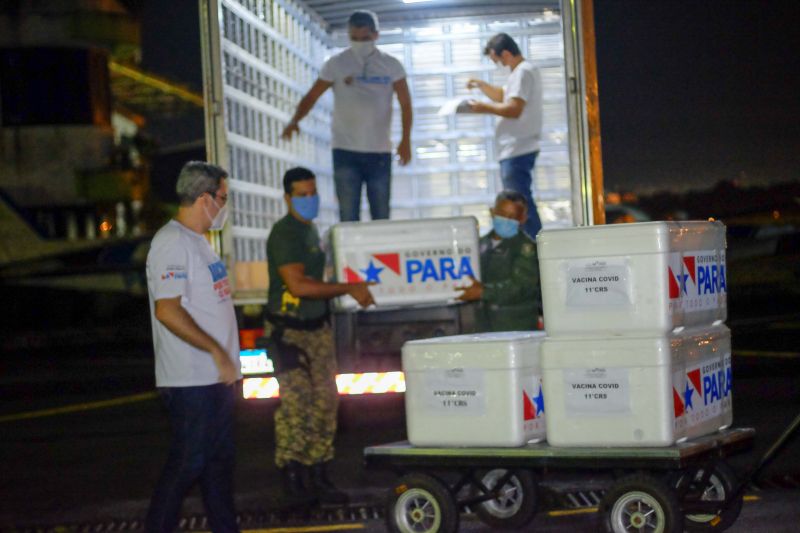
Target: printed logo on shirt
(219,275)
(374,80)
(174,272)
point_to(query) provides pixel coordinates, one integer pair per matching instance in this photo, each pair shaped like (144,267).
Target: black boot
(322,485)
(295,492)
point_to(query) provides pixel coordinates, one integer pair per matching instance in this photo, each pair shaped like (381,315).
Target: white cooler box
(637,391)
(621,279)
(474,390)
(411,261)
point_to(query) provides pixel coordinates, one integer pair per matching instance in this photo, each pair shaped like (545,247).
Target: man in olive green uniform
(302,344)
(509,294)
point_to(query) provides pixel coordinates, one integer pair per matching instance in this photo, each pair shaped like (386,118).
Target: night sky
(691,92)
(695,92)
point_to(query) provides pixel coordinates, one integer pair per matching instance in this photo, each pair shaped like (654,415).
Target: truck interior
(261,56)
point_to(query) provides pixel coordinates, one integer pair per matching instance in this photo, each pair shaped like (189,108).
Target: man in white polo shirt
(519,128)
(196,352)
(364,80)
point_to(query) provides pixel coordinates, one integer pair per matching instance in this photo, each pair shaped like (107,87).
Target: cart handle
(773,450)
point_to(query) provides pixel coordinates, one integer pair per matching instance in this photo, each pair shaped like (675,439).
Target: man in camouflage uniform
(301,344)
(509,294)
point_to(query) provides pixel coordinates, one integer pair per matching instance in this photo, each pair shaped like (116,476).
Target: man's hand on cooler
(471,293)
(360,292)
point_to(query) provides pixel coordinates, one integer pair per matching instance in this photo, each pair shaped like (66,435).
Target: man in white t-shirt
(519,128)
(364,80)
(196,346)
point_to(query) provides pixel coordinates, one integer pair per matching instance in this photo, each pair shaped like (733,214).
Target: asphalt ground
(82,439)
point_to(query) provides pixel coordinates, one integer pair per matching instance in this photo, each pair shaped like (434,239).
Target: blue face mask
(306,206)
(505,227)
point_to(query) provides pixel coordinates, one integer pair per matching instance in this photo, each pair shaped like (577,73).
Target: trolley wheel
(641,503)
(420,503)
(516,501)
(721,484)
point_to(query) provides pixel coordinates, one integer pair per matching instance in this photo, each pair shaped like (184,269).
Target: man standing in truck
(363,80)
(518,105)
(510,294)
(302,344)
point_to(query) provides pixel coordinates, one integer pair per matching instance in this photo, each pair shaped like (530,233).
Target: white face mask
(362,49)
(218,221)
(503,69)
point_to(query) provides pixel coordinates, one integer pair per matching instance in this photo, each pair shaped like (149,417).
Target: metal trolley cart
(687,486)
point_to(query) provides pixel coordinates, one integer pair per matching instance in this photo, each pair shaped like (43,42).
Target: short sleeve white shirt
(182,263)
(362,99)
(521,135)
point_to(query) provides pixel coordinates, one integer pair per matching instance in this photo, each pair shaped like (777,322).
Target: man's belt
(290,322)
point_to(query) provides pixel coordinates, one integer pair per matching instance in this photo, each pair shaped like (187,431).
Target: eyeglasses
(223,197)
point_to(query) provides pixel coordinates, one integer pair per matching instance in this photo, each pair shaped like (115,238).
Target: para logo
(533,406)
(173,274)
(676,282)
(373,272)
(678,404)
(699,274)
(704,274)
(390,267)
(707,384)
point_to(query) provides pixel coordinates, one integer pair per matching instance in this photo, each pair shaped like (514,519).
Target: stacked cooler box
(475,390)
(637,353)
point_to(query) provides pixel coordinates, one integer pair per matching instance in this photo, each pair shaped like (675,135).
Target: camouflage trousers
(305,421)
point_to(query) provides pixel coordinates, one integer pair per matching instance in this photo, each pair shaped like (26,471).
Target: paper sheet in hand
(456,105)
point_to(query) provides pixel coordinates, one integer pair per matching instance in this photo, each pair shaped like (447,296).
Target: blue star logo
(539,401)
(372,272)
(682,279)
(687,396)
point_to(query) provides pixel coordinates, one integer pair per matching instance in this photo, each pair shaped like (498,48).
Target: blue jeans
(202,449)
(350,170)
(517,175)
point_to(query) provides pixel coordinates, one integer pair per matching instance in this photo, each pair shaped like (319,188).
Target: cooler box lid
(489,351)
(703,342)
(405,233)
(629,239)
(610,351)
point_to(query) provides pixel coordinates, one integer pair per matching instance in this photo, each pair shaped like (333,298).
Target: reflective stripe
(347,384)
(371,383)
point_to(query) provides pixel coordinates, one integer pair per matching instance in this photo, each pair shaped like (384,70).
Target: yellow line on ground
(80,407)
(785,325)
(587,510)
(759,353)
(570,512)
(307,529)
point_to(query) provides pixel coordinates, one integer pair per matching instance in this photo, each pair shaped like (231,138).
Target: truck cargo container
(261,56)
